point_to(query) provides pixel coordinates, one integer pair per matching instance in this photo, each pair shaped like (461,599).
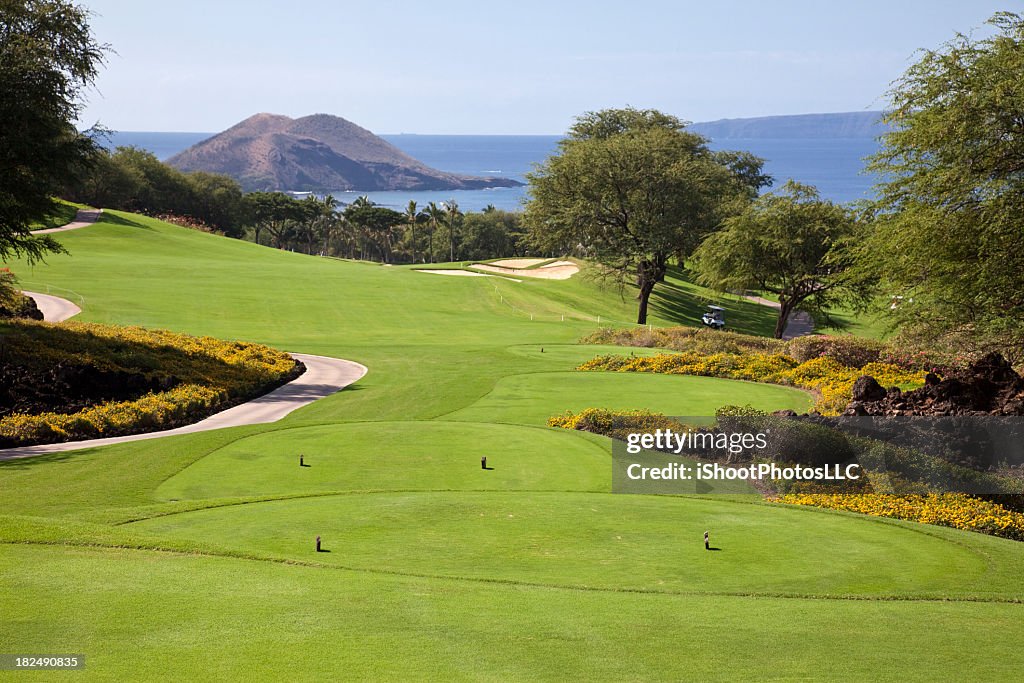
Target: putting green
(533,398)
(596,540)
(396,455)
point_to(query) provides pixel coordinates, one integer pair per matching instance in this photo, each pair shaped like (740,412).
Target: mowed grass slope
(153,616)
(192,557)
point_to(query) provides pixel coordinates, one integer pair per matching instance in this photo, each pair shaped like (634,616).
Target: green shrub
(853,352)
(697,339)
(616,424)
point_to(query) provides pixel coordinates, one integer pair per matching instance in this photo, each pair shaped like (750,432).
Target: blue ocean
(834,165)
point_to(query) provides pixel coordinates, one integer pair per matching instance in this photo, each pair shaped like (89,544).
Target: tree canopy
(950,212)
(376,226)
(47,57)
(631,188)
(133,179)
(790,244)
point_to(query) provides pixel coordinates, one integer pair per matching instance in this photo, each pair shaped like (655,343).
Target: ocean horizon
(834,165)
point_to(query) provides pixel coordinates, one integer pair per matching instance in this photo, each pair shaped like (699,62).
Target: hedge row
(206,375)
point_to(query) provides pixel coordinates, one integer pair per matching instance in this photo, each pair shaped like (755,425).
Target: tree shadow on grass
(121,220)
(673,301)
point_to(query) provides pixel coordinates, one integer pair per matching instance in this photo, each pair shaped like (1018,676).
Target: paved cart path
(83,219)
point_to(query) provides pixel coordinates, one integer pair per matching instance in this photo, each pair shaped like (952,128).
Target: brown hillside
(319,153)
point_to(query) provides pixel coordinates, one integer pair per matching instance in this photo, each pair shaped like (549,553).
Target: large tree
(630,189)
(950,212)
(47,57)
(377,225)
(491,233)
(275,212)
(791,244)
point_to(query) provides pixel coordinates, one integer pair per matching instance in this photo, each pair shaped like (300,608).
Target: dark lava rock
(866,388)
(990,386)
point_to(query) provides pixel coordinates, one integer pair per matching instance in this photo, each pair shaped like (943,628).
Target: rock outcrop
(990,386)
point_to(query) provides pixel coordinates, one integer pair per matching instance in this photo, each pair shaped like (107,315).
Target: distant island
(317,153)
(857,124)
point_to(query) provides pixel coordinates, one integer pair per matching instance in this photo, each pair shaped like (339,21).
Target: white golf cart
(714,317)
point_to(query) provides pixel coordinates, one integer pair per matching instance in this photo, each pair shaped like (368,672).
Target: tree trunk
(648,274)
(646,287)
(661,266)
(785,308)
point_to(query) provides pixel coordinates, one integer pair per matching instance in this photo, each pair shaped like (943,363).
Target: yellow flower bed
(616,424)
(832,381)
(613,423)
(955,510)
(207,375)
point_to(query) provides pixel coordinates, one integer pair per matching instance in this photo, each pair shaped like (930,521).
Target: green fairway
(531,399)
(873,324)
(192,556)
(145,615)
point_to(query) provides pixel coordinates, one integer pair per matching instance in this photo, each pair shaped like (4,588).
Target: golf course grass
(193,556)
(531,399)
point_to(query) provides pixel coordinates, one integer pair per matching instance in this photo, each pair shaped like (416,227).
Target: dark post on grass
(302,462)
(318,545)
(483,463)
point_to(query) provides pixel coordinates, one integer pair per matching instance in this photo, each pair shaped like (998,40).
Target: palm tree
(360,230)
(453,214)
(328,218)
(412,217)
(435,214)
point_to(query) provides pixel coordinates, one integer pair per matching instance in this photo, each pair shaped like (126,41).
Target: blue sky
(510,67)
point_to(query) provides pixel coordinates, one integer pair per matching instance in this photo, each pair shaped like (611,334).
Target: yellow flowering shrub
(202,375)
(956,510)
(614,423)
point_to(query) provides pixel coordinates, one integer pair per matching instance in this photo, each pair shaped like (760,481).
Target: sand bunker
(518,267)
(517,262)
(559,270)
(467,273)
(464,273)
